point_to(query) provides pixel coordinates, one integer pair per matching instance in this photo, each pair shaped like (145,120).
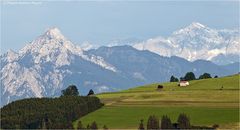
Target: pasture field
(206,102)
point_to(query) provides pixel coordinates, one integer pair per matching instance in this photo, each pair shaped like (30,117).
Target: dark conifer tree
(88,126)
(80,125)
(166,122)
(153,123)
(173,79)
(105,127)
(94,126)
(91,92)
(141,125)
(183,121)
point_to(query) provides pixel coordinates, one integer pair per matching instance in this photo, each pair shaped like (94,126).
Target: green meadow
(206,102)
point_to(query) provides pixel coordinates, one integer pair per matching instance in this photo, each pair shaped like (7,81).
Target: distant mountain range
(197,41)
(52,62)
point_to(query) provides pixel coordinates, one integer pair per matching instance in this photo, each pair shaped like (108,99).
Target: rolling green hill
(207,102)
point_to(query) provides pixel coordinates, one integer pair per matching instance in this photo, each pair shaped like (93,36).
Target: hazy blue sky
(102,22)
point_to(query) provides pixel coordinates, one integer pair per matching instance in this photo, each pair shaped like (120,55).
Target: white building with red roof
(183,83)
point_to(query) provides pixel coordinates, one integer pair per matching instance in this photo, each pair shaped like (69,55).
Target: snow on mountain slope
(36,70)
(51,62)
(195,41)
(54,47)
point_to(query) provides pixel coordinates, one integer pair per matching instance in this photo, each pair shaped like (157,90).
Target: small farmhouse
(183,83)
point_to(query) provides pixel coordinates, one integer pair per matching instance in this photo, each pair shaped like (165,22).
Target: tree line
(92,126)
(153,123)
(183,122)
(48,113)
(191,76)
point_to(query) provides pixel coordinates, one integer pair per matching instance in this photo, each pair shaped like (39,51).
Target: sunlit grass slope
(207,102)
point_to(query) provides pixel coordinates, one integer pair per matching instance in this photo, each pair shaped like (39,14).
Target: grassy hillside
(203,100)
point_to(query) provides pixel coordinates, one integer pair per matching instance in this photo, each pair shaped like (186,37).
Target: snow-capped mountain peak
(194,42)
(53,47)
(194,28)
(196,25)
(51,40)
(54,33)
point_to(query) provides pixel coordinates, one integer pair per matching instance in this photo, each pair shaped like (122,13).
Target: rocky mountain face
(50,63)
(40,68)
(197,41)
(150,67)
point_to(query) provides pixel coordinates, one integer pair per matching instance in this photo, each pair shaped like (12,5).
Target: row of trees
(191,76)
(92,126)
(183,122)
(48,113)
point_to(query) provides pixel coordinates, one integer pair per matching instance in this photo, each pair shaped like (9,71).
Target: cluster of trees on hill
(191,76)
(183,122)
(173,79)
(206,76)
(48,113)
